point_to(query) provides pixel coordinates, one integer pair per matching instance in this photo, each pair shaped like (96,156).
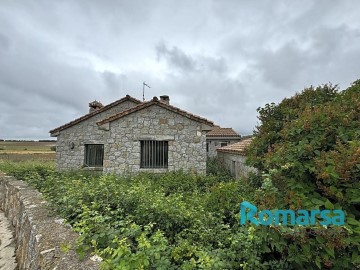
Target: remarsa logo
(301,217)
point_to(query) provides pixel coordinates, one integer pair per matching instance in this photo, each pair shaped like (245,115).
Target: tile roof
(236,148)
(222,132)
(155,101)
(89,115)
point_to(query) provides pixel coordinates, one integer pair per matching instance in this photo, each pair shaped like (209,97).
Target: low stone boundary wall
(38,235)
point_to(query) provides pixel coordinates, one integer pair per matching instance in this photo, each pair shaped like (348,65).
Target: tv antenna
(144,84)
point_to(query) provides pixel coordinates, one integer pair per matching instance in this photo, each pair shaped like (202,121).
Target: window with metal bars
(154,154)
(94,155)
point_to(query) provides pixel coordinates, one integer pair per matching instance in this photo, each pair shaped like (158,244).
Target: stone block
(163,121)
(38,235)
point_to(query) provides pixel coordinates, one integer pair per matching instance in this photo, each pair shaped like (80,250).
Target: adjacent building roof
(222,132)
(236,148)
(155,101)
(89,115)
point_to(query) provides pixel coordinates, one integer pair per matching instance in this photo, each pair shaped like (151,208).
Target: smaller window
(233,168)
(207,147)
(94,155)
(224,144)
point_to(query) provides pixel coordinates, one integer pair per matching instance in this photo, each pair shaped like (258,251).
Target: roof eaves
(55,131)
(236,148)
(155,101)
(124,113)
(186,114)
(223,136)
(222,132)
(232,151)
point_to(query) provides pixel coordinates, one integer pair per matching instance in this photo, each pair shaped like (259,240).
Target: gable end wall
(85,132)
(187,143)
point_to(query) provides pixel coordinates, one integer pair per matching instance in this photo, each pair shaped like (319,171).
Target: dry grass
(26,151)
(26,146)
(28,156)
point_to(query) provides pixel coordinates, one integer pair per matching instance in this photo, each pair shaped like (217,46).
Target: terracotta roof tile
(222,132)
(155,101)
(237,148)
(89,115)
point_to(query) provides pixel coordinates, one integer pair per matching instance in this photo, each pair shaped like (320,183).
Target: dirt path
(7,245)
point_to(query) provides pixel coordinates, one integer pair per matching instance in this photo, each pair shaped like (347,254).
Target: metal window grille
(94,155)
(154,154)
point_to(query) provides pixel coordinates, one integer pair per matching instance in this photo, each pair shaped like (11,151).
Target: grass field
(27,150)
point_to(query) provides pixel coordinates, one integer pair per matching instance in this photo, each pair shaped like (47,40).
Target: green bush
(170,221)
(308,147)
(216,168)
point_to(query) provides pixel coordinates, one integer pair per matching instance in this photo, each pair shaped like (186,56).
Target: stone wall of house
(86,132)
(187,143)
(235,163)
(214,143)
(38,236)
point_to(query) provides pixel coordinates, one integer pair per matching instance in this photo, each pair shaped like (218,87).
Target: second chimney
(165,99)
(94,106)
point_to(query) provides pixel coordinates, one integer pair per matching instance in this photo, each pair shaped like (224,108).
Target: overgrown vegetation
(169,221)
(307,149)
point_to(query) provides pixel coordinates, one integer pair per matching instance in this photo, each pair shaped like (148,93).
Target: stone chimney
(94,106)
(165,99)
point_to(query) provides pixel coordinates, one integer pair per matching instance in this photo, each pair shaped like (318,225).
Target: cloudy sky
(218,59)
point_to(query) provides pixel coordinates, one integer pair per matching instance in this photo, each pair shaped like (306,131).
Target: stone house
(219,137)
(233,157)
(129,136)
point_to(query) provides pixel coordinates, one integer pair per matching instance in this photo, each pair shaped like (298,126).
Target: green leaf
(318,262)
(306,249)
(355,200)
(320,239)
(330,251)
(355,258)
(329,205)
(352,221)
(317,201)
(146,262)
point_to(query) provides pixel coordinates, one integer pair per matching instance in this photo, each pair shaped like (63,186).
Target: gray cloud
(175,57)
(282,67)
(322,59)
(217,59)
(4,42)
(179,60)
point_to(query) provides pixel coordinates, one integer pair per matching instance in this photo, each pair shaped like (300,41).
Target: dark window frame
(233,168)
(94,155)
(154,154)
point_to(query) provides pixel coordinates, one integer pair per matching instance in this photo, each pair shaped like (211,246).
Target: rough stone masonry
(38,235)
(122,128)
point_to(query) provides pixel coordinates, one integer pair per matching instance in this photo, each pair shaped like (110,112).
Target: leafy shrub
(216,168)
(170,221)
(308,147)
